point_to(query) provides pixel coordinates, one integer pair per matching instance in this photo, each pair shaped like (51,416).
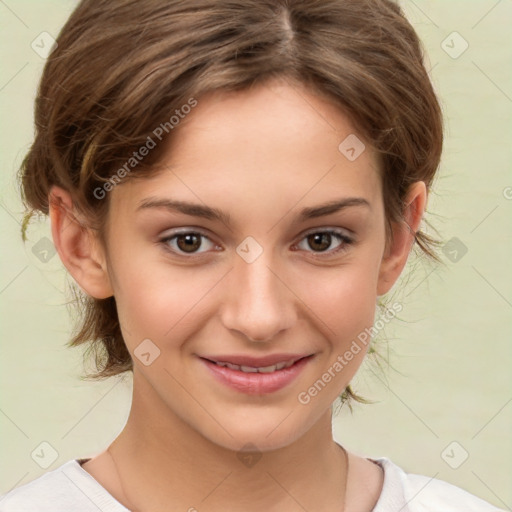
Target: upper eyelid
(337,230)
(201,231)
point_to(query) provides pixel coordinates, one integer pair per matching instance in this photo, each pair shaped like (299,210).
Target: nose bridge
(258,303)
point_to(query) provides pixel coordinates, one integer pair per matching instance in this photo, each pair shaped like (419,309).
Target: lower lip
(256,383)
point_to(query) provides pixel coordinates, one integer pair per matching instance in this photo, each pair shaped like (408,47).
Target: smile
(256,376)
(260,369)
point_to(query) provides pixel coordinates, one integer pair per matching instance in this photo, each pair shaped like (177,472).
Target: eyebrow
(209,213)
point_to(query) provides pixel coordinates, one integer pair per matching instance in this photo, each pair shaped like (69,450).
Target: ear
(397,252)
(78,246)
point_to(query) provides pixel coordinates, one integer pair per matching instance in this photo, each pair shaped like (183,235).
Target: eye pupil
(191,242)
(324,239)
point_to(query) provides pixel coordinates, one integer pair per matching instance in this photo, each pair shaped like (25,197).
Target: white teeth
(251,369)
(268,369)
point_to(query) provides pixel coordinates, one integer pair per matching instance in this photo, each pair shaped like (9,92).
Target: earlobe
(397,252)
(78,248)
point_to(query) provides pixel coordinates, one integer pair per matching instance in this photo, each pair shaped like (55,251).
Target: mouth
(257,375)
(256,369)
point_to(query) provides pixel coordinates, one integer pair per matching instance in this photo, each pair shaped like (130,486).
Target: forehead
(274,144)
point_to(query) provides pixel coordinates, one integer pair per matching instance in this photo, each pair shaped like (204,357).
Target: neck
(162,461)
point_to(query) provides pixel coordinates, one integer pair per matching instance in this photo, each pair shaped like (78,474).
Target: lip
(256,383)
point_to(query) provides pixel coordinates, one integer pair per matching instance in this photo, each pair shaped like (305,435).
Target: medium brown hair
(121,68)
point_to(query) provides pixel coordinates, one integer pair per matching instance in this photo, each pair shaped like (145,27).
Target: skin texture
(261,156)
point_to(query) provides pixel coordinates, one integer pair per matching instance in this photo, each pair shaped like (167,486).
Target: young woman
(233,185)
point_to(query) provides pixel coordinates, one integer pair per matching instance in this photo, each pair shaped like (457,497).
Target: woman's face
(252,267)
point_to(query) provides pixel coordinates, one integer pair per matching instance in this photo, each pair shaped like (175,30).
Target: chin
(258,432)
(251,441)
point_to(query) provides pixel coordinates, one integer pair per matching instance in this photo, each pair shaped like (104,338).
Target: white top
(71,488)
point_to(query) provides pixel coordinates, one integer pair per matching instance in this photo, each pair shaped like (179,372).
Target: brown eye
(186,242)
(321,241)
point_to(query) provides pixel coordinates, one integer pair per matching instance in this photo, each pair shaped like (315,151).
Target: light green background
(453,348)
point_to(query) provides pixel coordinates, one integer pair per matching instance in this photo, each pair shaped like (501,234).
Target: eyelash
(341,236)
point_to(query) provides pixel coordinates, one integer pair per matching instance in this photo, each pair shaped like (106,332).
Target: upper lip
(256,362)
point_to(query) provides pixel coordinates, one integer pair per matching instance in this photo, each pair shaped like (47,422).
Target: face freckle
(265,172)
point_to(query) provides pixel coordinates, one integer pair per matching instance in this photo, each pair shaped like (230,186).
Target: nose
(258,303)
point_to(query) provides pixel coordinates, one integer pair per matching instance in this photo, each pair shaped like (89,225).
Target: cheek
(160,302)
(344,299)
